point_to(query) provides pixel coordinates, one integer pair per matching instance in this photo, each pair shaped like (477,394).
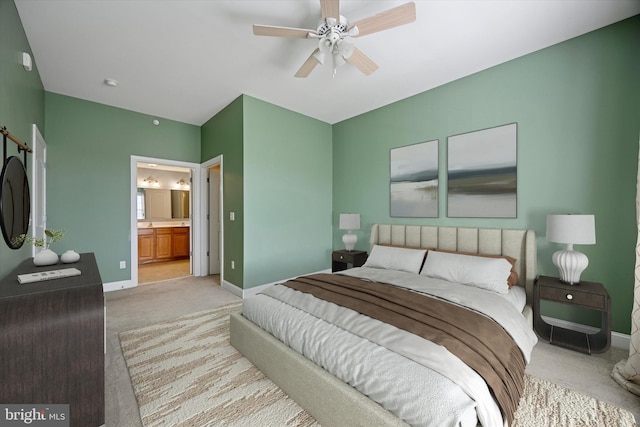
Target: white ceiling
(185,60)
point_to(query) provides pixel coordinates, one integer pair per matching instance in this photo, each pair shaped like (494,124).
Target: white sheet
(439,365)
(517,296)
(422,397)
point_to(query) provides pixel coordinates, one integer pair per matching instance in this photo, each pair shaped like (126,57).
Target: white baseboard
(116,286)
(618,339)
(231,288)
(244,293)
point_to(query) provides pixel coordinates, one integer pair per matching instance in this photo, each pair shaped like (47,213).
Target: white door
(38,186)
(214,220)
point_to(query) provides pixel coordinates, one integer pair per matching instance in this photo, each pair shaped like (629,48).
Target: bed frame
(334,403)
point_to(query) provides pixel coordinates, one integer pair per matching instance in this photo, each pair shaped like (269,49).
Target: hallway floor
(158,271)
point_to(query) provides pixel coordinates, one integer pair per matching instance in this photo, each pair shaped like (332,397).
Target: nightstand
(341,259)
(588,295)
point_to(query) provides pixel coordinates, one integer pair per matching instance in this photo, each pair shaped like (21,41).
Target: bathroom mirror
(161,204)
(15,202)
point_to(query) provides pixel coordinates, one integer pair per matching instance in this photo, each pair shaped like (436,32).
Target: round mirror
(15,202)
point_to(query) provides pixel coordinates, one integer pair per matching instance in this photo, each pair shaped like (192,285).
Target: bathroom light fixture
(571,229)
(349,221)
(151,181)
(182,183)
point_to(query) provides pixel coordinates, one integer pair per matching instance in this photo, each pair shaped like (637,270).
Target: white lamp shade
(349,221)
(571,229)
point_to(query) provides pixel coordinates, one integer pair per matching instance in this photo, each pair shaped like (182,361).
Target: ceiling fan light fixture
(320,57)
(325,45)
(346,49)
(338,60)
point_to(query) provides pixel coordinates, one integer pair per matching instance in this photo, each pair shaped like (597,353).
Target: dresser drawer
(577,297)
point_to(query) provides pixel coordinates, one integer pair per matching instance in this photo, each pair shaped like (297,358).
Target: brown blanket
(475,339)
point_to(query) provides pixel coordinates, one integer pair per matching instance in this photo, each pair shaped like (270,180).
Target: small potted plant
(46,256)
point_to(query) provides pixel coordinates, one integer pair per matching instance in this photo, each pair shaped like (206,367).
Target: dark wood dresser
(52,340)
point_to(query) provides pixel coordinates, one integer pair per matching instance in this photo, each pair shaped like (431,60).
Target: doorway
(164,219)
(214,219)
(212,209)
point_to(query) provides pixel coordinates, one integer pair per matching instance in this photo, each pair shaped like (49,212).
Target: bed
(376,377)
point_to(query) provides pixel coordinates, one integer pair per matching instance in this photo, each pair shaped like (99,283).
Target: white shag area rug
(185,373)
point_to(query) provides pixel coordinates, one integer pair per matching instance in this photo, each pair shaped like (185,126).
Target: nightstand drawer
(340,259)
(573,297)
(337,256)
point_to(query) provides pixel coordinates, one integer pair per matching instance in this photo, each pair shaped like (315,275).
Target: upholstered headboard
(518,244)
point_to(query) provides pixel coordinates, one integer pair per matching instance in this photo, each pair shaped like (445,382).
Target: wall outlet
(123,265)
(232,216)
(233,265)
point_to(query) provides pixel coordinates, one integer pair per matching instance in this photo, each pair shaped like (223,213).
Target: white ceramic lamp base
(570,264)
(349,241)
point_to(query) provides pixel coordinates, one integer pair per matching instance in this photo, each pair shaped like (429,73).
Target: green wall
(577,105)
(21,104)
(223,135)
(89,149)
(281,200)
(287,193)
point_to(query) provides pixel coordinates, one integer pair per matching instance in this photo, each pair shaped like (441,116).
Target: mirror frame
(14,185)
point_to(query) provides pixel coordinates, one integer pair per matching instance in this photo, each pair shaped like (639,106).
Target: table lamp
(349,221)
(571,230)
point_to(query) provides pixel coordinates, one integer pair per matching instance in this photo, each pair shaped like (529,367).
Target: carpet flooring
(184,372)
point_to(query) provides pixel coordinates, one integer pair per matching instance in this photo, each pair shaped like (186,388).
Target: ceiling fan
(333,32)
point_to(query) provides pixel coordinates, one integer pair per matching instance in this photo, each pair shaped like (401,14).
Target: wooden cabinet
(146,244)
(52,340)
(181,247)
(163,244)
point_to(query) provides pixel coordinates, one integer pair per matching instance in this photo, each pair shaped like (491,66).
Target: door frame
(195,220)
(204,206)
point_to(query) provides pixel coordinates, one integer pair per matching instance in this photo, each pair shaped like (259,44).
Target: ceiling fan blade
(308,65)
(268,30)
(395,17)
(330,9)
(362,62)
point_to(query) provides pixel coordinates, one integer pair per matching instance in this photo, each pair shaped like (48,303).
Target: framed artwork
(482,173)
(414,180)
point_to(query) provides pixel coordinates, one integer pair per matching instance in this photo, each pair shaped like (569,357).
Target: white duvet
(417,380)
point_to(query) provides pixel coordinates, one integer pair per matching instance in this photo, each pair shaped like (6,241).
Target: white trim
(195,211)
(244,293)
(237,291)
(204,197)
(116,286)
(36,137)
(618,339)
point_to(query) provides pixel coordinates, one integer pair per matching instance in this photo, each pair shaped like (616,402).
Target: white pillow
(482,272)
(392,258)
